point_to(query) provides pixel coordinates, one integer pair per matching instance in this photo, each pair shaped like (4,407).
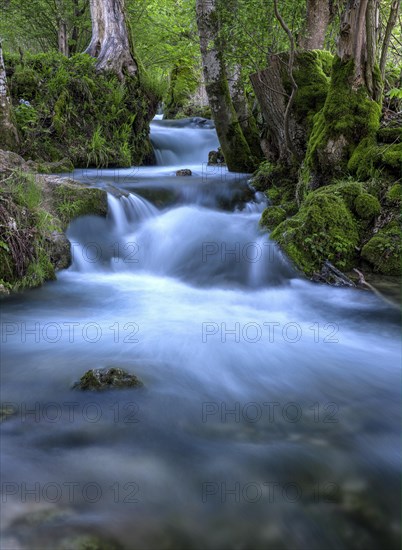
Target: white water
(171,287)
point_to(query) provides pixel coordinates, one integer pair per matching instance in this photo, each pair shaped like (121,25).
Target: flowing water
(269,416)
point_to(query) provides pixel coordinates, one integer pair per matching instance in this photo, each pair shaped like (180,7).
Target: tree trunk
(393,16)
(269,89)
(111,42)
(8,132)
(233,143)
(246,118)
(63,38)
(346,127)
(317,21)
(358,40)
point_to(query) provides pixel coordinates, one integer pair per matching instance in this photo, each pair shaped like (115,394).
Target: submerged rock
(107,379)
(184,172)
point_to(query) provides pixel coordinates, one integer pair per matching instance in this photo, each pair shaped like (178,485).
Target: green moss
(367,207)
(32,246)
(395,193)
(391,156)
(383,251)
(390,134)
(261,179)
(272,216)
(73,201)
(312,77)
(324,228)
(368,158)
(347,190)
(348,116)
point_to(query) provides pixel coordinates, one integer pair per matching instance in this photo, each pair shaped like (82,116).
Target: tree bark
(318,16)
(63,38)
(393,16)
(111,42)
(358,40)
(62,34)
(233,143)
(273,99)
(8,131)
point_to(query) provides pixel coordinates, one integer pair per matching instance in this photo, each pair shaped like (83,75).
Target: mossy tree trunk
(111,41)
(233,143)
(352,109)
(8,132)
(246,118)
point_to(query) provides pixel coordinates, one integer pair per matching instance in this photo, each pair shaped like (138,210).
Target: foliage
(69,110)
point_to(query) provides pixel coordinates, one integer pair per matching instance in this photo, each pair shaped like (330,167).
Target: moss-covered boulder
(71,199)
(367,206)
(347,190)
(108,378)
(383,251)
(323,229)
(272,216)
(34,212)
(394,194)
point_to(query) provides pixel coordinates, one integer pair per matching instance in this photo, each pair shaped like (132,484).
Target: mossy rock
(367,207)
(323,229)
(272,216)
(36,209)
(347,190)
(72,200)
(390,134)
(394,194)
(369,157)
(383,251)
(108,378)
(391,157)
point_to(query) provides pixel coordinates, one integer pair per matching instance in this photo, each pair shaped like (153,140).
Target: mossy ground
(65,109)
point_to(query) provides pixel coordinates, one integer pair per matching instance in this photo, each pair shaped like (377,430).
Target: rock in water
(184,172)
(108,378)
(216,157)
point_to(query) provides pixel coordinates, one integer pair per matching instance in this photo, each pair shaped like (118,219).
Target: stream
(270,412)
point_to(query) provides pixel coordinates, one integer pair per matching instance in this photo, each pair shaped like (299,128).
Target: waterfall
(180,145)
